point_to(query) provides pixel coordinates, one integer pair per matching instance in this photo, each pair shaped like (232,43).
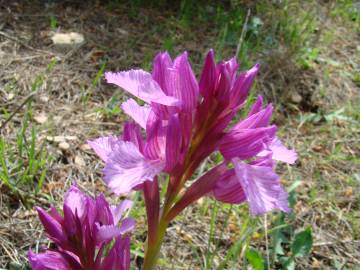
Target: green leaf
(289,264)
(255,259)
(302,243)
(279,238)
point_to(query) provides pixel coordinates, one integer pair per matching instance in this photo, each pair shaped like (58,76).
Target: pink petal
(256,107)
(118,211)
(141,84)
(52,227)
(127,225)
(281,153)
(160,73)
(224,85)
(245,143)
(232,66)
(183,84)
(173,143)
(103,211)
(139,113)
(103,146)
(76,201)
(54,213)
(208,77)
(264,161)
(132,133)
(256,120)
(262,188)
(186,125)
(127,168)
(119,255)
(242,86)
(228,189)
(106,233)
(51,260)
(155,146)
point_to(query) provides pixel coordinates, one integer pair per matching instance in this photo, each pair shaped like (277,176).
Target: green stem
(153,244)
(153,249)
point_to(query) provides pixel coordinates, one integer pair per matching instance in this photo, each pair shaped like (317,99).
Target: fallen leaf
(348,192)
(233,228)
(122,31)
(315,264)
(317,148)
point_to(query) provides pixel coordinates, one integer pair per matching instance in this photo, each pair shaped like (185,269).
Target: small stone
(79,161)
(40,118)
(59,139)
(187,237)
(10,96)
(85,147)
(71,138)
(50,138)
(122,31)
(44,99)
(71,38)
(64,146)
(200,201)
(296,98)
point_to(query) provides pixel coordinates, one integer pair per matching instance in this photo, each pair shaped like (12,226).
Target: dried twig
(23,43)
(27,99)
(238,48)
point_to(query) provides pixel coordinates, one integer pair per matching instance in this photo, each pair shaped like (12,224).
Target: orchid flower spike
(186,120)
(81,236)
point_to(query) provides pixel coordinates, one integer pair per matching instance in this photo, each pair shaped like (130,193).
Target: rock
(64,146)
(40,118)
(66,39)
(79,161)
(44,98)
(85,147)
(59,139)
(296,98)
(10,96)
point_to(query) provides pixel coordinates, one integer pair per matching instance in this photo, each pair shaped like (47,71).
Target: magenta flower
(179,121)
(82,235)
(185,121)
